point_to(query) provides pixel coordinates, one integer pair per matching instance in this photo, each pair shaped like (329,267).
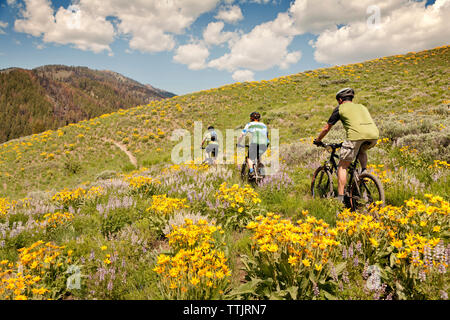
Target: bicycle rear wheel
(244,173)
(368,190)
(322,184)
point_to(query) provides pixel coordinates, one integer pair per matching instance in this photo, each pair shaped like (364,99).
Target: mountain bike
(362,188)
(258,169)
(209,160)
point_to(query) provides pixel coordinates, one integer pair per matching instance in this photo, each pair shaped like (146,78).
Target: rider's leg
(250,164)
(363,159)
(252,154)
(342,178)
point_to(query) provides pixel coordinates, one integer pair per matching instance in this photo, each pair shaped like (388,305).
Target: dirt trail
(122,147)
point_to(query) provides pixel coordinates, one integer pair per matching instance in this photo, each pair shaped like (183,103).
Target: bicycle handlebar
(333,146)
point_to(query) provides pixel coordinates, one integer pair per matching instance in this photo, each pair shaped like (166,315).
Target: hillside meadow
(79,221)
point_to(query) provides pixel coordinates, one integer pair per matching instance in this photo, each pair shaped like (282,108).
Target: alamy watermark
(74,280)
(189,150)
(374,19)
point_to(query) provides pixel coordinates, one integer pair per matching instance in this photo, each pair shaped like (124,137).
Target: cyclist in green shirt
(259,141)
(361,131)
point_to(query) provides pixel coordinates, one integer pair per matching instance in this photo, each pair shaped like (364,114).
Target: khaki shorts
(350,149)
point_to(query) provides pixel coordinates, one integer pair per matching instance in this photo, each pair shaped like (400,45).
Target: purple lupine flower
(316,290)
(358,246)
(427,258)
(422,275)
(355,261)
(344,253)
(365,273)
(333,273)
(350,250)
(345,277)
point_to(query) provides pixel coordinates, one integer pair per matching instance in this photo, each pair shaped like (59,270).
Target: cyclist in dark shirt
(362,134)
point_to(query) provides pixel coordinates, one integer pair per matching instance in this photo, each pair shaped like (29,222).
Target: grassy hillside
(124,226)
(48,97)
(407,95)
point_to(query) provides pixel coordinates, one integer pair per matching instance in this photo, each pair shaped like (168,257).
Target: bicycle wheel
(368,190)
(322,184)
(244,174)
(261,169)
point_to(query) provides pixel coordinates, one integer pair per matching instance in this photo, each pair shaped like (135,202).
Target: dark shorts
(212,149)
(256,150)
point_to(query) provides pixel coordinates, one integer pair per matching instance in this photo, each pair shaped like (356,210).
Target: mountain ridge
(51,96)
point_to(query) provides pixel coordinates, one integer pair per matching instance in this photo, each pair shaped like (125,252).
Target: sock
(251,170)
(340,197)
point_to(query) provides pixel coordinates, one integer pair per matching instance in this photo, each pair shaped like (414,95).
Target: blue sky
(164,42)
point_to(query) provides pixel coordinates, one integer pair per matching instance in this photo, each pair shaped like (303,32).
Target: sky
(185,46)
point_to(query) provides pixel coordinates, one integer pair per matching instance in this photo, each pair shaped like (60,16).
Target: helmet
(210,128)
(345,93)
(255,116)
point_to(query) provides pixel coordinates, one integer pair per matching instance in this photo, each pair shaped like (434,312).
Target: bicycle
(258,169)
(209,160)
(362,188)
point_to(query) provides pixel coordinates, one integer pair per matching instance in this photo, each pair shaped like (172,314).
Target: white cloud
(37,18)
(193,55)
(2,26)
(83,29)
(262,48)
(317,16)
(243,75)
(149,25)
(290,58)
(412,27)
(213,34)
(68,26)
(230,14)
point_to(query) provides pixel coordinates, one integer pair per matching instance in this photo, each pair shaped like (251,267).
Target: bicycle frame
(332,166)
(256,163)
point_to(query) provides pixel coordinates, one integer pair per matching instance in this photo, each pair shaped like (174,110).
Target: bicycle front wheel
(322,184)
(367,191)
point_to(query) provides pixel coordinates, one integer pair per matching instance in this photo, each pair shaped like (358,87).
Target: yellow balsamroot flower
(306,262)
(293,260)
(23,279)
(397,243)
(162,204)
(374,242)
(103,248)
(195,281)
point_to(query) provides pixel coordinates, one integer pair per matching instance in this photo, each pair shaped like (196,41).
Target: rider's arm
(244,132)
(324,132)
(240,138)
(335,117)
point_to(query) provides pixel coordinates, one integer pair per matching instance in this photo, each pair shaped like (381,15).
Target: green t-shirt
(357,122)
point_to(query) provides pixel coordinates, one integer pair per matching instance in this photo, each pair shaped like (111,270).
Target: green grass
(411,109)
